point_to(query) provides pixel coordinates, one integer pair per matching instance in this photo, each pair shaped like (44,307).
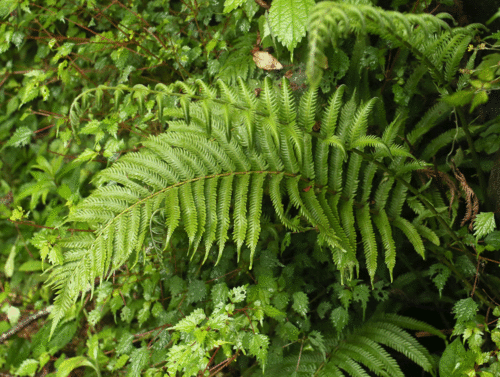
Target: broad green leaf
(465,309)
(339,318)
(454,361)
(288,19)
(484,224)
(258,347)
(68,365)
(139,360)
(9,264)
(300,303)
(27,368)
(230,5)
(21,137)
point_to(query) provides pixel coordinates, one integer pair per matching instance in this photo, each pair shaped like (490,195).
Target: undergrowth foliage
(210,172)
(250,223)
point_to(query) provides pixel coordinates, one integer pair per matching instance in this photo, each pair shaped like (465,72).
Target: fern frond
(411,324)
(172,212)
(255,211)
(441,141)
(411,233)
(200,205)
(428,37)
(209,179)
(240,211)
(369,141)
(363,348)
(368,237)
(331,20)
(398,196)
(307,109)
(330,115)
(348,221)
(455,52)
(212,219)
(379,353)
(276,198)
(327,132)
(394,337)
(360,355)
(269,101)
(331,370)
(188,211)
(360,122)
(430,119)
(428,233)
(348,364)
(308,165)
(384,228)
(223,205)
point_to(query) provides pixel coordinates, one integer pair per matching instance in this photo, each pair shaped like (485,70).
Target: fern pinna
(209,172)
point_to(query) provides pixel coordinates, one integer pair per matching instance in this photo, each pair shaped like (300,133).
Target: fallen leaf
(264,60)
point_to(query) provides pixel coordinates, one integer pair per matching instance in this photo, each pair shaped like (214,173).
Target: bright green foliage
(484,224)
(199,166)
(465,309)
(217,219)
(455,361)
(288,19)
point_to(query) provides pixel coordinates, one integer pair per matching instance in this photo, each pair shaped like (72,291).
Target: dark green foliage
(218,219)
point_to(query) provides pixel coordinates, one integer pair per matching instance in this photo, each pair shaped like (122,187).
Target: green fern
(360,350)
(428,37)
(197,173)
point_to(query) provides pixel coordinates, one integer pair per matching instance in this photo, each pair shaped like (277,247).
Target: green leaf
(465,309)
(21,137)
(9,264)
(493,239)
(30,92)
(300,303)
(442,274)
(317,340)
(484,224)
(288,332)
(258,347)
(220,293)
(323,307)
(455,362)
(288,19)
(125,344)
(237,294)
(189,323)
(197,291)
(139,360)
(339,318)
(230,5)
(68,365)
(361,294)
(27,368)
